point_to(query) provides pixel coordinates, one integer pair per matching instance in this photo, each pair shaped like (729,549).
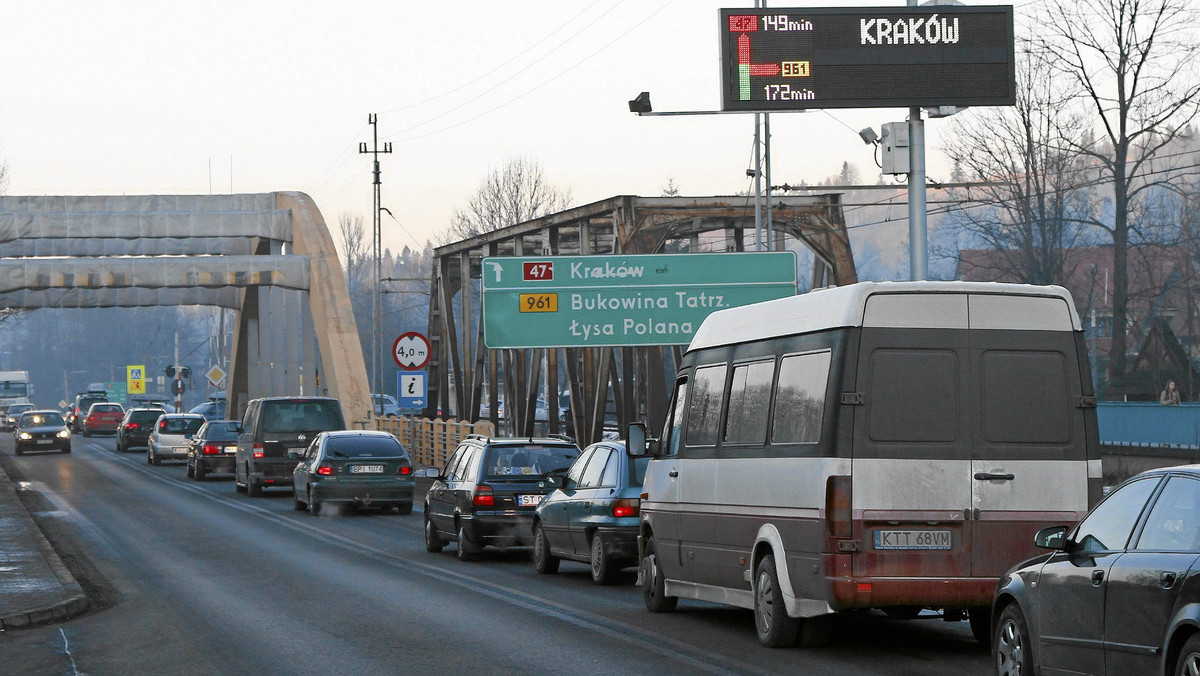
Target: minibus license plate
(528,500)
(912,539)
(366,469)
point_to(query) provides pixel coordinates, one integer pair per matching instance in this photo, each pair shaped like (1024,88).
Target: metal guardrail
(430,442)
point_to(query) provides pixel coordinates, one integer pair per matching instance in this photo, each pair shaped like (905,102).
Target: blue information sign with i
(412,389)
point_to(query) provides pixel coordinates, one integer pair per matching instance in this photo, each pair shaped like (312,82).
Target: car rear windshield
(106,408)
(527,460)
(638,466)
(32,419)
(301,416)
(180,425)
(221,431)
(86,402)
(145,416)
(364,447)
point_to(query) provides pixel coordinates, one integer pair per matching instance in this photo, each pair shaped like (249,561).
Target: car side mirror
(294,455)
(430,473)
(1054,537)
(552,482)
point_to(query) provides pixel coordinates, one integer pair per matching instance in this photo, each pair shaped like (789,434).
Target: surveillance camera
(641,104)
(868,136)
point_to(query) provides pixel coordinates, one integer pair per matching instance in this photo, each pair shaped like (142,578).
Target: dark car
(136,426)
(273,426)
(1118,594)
(360,468)
(487,492)
(212,449)
(593,515)
(41,431)
(82,403)
(13,414)
(211,410)
(102,417)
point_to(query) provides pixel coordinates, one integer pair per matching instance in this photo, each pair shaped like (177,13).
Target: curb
(75,601)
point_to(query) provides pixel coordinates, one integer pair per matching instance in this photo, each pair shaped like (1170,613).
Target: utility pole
(377,248)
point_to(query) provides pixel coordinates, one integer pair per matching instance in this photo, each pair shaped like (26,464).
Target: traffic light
(170,371)
(185,371)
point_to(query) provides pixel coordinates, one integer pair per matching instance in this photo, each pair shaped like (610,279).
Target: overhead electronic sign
(876,57)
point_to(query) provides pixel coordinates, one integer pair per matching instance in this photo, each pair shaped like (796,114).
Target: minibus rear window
(800,402)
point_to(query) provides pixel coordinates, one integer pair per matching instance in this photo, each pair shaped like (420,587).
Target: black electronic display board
(866,57)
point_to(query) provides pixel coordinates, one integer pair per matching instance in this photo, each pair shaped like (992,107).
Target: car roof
(358,433)
(183,415)
(1194,470)
(44,410)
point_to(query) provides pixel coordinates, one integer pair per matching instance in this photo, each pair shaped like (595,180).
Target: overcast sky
(130,97)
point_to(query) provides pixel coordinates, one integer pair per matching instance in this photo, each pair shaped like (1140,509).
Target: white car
(169,440)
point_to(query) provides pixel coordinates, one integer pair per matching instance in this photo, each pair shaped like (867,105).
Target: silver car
(169,440)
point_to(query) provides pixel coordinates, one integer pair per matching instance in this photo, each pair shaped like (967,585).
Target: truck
(15,388)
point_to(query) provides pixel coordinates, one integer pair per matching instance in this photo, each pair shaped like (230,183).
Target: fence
(430,442)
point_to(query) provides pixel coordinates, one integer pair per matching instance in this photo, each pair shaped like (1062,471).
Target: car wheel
(18,451)
(67,449)
(1011,648)
(314,507)
(253,488)
(602,566)
(543,561)
(980,619)
(433,543)
(191,471)
(404,508)
(237,483)
(466,549)
(296,503)
(86,433)
(1188,663)
(199,473)
(775,629)
(149,457)
(654,584)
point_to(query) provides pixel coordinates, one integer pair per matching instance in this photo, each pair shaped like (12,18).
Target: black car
(213,409)
(1118,594)
(592,516)
(487,492)
(212,449)
(271,427)
(353,467)
(136,426)
(83,402)
(41,431)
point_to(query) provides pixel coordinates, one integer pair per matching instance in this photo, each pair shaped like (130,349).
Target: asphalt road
(194,578)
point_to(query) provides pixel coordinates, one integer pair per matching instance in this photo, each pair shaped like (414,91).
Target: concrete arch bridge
(268,256)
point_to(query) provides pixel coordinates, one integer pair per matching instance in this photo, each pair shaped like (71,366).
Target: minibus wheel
(775,628)
(654,586)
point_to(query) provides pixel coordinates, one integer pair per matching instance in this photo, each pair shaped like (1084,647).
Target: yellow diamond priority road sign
(215,376)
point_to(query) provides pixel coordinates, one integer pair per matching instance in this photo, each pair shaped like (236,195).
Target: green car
(592,516)
(353,467)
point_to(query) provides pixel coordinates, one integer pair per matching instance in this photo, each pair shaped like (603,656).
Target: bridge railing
(430,442)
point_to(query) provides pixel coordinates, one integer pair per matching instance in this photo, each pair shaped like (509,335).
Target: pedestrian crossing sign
(135,377)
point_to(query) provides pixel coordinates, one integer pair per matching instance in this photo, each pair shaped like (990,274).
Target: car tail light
(404,470)
(90,418)
(132,426)
(626,507)
(162,425)
(258,451)
(211,449)
(325,470)
(837,506)
(483,496)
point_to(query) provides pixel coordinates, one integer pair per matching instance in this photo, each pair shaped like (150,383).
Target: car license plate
(912,539)
(45,441)
(231,449)
(366,469)
(528,500)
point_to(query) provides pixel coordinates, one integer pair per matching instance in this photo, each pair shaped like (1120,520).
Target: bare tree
(671,189)
(1131,65)
(514,193)
(354,247)
(1031,201)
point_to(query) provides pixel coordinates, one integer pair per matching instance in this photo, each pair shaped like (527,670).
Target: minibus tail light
(258,451)
(837,506)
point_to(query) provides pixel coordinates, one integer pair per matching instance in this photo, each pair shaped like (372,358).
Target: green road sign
(618,300)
